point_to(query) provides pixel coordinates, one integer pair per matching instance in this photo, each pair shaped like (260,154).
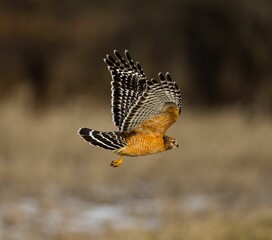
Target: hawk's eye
(175,143)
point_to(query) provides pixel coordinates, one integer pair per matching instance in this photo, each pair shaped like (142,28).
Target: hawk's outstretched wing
(157,109)
(139,104)
(128,83)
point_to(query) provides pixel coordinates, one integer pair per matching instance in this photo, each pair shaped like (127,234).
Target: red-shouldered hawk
(142,109)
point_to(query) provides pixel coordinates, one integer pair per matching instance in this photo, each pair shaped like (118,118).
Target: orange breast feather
(140,144)
(148,137)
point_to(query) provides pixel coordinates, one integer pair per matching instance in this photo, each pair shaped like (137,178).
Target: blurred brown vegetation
(217,185)
(219,51)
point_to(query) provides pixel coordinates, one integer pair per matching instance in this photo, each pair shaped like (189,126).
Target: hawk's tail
(107,140)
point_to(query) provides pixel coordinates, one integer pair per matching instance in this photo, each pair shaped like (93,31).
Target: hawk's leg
(117,163)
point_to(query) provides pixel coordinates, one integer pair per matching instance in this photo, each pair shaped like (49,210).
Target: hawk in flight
(142,109)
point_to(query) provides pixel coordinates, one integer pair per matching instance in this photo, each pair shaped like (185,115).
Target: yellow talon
(117,163)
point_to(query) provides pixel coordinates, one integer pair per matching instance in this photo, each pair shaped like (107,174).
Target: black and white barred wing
(152,108)
(128,84)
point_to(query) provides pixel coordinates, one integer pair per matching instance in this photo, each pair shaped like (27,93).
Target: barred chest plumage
(142,144)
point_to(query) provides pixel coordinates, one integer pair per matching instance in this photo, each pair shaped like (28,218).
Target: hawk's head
(170,142)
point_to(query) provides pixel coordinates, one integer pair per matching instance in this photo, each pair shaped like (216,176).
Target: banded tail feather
(106,140)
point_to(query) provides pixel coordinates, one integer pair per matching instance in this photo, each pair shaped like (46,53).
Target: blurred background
(217,185)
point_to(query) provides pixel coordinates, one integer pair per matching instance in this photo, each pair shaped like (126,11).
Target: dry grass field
(53,185)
